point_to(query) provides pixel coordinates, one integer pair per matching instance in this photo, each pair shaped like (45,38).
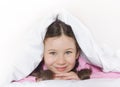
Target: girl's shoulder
(27,79)
(83,63)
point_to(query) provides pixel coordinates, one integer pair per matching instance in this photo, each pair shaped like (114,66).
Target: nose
(61,60)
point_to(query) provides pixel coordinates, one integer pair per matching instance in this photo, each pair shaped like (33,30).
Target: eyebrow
(70,49)
(51,50)
(65,49)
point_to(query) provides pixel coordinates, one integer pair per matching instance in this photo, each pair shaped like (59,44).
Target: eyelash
(68,52)
(53,53)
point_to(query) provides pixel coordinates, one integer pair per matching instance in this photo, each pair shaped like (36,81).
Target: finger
(71,78)
(68,76)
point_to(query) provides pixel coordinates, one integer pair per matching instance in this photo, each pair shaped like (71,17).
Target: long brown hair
(56,29)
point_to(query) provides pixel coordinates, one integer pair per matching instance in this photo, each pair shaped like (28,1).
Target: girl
(62,58)
(61,53)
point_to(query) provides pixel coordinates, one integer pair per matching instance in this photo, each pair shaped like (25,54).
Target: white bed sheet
(69,83)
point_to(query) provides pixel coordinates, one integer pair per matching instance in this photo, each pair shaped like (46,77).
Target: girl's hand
(67,76)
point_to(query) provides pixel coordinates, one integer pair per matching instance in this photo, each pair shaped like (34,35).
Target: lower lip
(60,68)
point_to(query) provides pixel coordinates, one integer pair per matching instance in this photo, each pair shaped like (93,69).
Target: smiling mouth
(60,69)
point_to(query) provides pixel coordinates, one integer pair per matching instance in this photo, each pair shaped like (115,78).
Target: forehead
(60,42)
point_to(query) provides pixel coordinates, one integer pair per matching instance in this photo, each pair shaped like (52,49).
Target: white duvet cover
(69,83)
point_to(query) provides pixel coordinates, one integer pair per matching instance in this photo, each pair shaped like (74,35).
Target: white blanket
(29,52)
(100,56)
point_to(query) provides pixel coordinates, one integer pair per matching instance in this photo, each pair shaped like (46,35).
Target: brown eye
(52,53)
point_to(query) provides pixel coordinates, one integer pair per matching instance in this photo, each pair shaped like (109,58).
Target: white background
(102,17)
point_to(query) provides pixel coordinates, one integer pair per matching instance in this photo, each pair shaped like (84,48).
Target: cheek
(72,60)
(72,63)
(48,61)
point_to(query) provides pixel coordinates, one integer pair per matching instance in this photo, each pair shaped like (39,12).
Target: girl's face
(60,54)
